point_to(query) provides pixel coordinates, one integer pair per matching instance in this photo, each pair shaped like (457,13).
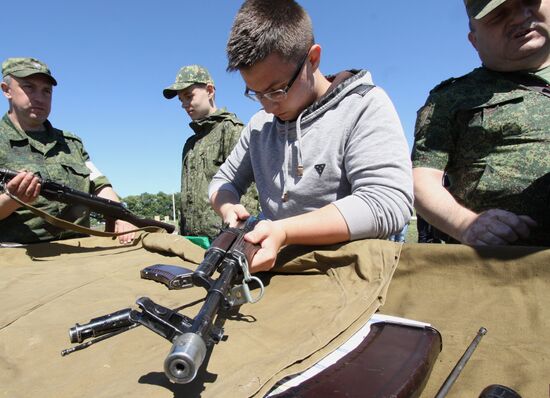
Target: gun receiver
(229,255)
(108,208)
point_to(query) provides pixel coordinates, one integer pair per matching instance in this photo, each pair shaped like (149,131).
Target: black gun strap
(74,227)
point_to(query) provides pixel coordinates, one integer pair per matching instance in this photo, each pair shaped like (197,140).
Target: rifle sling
(77,228)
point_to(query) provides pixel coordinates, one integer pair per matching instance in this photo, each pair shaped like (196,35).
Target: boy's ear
(5,90)
(315,56)
(210,89)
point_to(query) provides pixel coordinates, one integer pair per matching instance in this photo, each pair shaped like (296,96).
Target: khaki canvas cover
(311,305)
(458,289)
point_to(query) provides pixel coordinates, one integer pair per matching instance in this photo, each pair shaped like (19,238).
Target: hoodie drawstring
(288,147)
(284,196)
(300,165)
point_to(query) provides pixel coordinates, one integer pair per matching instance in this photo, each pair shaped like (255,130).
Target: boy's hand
(271,237)
(234,214)
(122,226)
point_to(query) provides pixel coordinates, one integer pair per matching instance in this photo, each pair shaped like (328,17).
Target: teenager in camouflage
(216,133)
(29,142)
(489,132)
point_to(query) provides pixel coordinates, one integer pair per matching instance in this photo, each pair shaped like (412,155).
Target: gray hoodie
(347,149)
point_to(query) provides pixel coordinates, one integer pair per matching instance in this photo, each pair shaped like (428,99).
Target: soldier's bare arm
(439,208)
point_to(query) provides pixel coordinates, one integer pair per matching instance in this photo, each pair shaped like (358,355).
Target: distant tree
(146,205)
(150,205)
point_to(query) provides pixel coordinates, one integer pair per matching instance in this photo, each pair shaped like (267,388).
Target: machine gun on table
(61,193)
(229,255)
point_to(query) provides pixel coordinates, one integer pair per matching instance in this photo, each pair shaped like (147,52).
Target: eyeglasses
(276,95)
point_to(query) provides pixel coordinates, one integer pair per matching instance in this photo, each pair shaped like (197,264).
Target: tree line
(149,205)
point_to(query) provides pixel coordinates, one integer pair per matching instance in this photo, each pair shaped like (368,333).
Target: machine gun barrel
(190,338)
(228,253)
(189,349)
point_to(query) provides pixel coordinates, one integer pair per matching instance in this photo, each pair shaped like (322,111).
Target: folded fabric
(314,300)
(458,289)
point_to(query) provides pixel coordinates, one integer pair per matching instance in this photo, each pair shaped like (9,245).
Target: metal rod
(444,390)
(81,346)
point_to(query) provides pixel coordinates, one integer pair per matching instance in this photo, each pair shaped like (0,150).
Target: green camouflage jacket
(490,132)
(54,155)
(203,154)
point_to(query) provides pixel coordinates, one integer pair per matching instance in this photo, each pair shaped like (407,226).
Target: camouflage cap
(23,67)
(187,76)
(477,9)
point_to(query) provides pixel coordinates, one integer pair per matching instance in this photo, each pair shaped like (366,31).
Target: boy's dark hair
(263,27)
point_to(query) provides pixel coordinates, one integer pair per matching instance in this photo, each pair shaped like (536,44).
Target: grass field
(412,233)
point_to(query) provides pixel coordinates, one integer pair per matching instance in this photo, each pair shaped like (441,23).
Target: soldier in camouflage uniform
(29,142)
(216,133)
(489,131)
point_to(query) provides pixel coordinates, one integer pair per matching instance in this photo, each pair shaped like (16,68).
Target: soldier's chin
(38,118)
(38,115)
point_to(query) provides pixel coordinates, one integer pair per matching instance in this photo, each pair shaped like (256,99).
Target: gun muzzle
(101,325)
(185,358)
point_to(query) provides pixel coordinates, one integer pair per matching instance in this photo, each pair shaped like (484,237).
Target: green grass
(412,233)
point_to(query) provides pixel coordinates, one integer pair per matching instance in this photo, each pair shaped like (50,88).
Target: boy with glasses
(328,154)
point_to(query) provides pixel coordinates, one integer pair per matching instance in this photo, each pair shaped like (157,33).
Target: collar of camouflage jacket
(14,133)
(207,124)
(544,73)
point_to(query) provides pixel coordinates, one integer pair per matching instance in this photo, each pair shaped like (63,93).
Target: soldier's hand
(497,227)
(271,237)
(122,226)
(235,214)
(25,186)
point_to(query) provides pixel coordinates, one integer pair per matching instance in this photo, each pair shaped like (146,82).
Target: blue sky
(113,58)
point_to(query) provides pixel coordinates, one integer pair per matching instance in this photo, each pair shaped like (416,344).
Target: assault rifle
(229,255)
(108,208)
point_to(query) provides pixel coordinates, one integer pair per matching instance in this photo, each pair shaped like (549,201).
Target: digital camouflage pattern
(186,77)
(479,8)
(203,154)
(55,155)
(490,132)
(23,67)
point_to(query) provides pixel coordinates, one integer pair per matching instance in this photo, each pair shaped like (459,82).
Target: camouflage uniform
(55,155)
(490,132)
(203,154)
